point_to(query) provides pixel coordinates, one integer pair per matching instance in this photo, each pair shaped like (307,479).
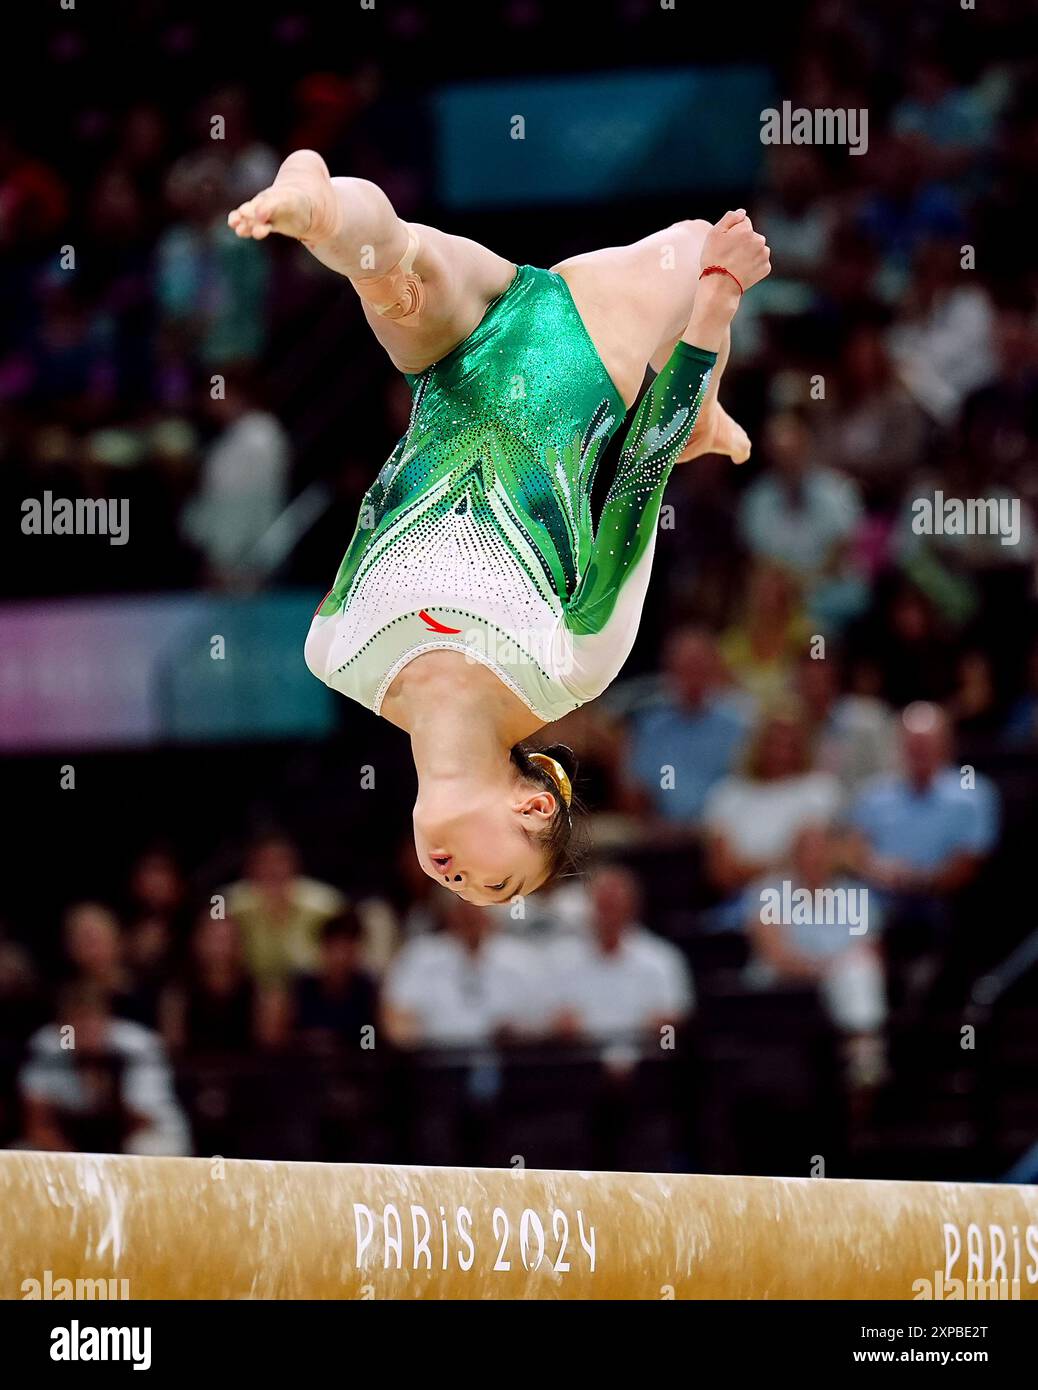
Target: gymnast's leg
(635,302)
(422,290)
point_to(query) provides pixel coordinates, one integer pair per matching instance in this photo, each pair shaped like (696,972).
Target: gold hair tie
(556,772)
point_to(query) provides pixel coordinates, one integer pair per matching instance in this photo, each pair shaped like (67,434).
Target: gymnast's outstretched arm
(423,290)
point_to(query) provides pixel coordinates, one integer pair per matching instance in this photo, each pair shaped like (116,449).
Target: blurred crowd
(281,964)
(822,698)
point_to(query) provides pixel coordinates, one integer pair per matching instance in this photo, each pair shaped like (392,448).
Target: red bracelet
(719,270)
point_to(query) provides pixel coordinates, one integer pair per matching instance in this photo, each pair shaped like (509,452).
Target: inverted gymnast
(477,601)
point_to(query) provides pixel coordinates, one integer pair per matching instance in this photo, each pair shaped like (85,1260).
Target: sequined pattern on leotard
(477,533)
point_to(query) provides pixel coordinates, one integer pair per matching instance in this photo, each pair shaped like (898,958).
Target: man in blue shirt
(688,738)
(922,835)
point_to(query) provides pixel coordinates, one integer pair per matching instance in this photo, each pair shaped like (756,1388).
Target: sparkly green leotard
(477,534)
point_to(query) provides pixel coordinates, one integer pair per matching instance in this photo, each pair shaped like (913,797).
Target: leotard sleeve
(605,609)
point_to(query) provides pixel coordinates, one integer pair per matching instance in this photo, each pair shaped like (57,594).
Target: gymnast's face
(482,842)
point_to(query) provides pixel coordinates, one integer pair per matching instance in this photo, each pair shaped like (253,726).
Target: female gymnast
(477,601)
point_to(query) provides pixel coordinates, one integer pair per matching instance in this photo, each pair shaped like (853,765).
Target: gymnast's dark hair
(563,849)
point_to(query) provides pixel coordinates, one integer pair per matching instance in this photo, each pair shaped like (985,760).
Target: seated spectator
(803,516)
(795,214)
(688,738)
(110,1091)
(215,1007)
(907,643)
(466,985)
(836,950)
(154,917)
(853,736)
(280,911)
(20,1001)
(331,1007)
(904,212)
(752,818)
(974,708)
(872,428)
(959,558)
(761,648)
(1002,416)
(619,981)
(210,286)
(249,163)
(943,344)
(95,954)
(950,125)
(919,836)
(920,830)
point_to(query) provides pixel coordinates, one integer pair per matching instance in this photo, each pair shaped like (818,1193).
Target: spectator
(1002,415)
(854,736)
(837,951)
(761,648)
(111,1091)
(796,512)
(974,708)
(907,641)
(685,741)
(620,981)
(803,517)
(752,818)
(462,986)
(19,995)
(280,911)
(215,1007)
(155,918)
(949,124)
(33,200)
(95,954)
(943,344)
(332,1006)
(921,831)
(920,837)
(243,487)
(249,163)
(872,428)
(211,286)
(795,215)
(904,212)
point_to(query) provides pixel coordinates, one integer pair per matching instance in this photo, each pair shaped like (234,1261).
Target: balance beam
(222,1228)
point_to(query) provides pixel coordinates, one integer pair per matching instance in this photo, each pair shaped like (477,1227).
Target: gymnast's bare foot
(717,433)
(298,203)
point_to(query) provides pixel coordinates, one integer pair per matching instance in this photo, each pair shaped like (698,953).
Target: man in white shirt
(97,1082)
(620,980)
(466,985)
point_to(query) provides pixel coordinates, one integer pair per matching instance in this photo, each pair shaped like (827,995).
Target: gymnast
(478,601)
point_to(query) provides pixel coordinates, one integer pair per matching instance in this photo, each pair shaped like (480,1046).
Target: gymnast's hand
(733,243)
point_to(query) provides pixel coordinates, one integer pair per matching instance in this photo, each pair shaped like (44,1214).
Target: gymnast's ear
(537,806)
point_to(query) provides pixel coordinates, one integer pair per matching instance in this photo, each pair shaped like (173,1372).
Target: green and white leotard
(477,534)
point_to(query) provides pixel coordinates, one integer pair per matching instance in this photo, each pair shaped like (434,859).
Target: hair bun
(564,755)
